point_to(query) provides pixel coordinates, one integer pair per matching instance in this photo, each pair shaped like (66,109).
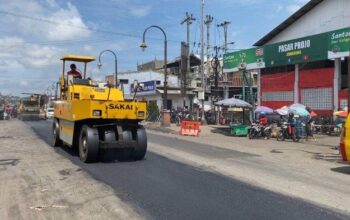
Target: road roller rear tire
(88,144)
(125,154)
(140,147)
(107,155)
(55,134)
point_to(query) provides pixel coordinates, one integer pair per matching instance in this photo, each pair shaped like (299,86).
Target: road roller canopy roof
(78,58)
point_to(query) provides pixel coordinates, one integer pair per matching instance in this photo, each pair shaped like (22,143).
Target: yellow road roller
(96,118)
(29,107)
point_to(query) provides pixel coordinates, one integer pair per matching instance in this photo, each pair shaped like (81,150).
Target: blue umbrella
(298,109)
(264,109)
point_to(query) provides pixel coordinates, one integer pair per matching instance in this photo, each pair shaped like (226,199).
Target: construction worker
(73,72)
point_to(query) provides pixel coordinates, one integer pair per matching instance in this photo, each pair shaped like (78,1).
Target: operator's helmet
(291,114)
(262,114)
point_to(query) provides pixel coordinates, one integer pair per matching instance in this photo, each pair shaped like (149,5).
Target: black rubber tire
(140,147)
(108,155)
(88,144)
(55,134)
(250,135)
(280,136)
(268,134)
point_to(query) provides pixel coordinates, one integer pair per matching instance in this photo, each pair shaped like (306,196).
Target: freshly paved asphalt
(160,188)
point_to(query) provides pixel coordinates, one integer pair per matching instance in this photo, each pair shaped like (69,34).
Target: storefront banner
(252,58)
(149,87)
(338,43)
(328,45)
(302,50)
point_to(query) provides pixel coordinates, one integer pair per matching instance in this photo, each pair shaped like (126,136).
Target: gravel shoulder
(38,183)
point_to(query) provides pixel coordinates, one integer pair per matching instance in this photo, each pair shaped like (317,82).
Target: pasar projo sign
(301,50)
(294,46)
(328,45)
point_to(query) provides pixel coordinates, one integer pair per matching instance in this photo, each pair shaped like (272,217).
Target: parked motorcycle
(7,116)
(256,131)
(287,132)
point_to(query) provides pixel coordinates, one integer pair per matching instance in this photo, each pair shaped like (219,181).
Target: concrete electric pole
(225,26)
(202,60)
(188,20)
(207,22)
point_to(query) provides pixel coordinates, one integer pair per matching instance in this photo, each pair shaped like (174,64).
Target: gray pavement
(161,188)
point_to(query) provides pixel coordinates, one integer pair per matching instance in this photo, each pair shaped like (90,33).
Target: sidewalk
(38,183)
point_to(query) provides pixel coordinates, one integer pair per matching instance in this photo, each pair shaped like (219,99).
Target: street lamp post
(116,65)
(166,116)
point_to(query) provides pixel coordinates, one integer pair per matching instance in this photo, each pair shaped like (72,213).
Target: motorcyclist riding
(263,119)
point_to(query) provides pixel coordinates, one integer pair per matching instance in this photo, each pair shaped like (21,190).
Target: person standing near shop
(309,125)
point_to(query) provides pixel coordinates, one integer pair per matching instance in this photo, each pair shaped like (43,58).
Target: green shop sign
(300,50)
(252,58)
(338,43)
(329,45)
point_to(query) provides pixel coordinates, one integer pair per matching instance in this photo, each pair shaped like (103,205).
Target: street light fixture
(166,117)
(143,46)
(116,65)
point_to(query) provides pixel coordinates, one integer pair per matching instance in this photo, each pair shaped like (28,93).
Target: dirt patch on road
(38,183)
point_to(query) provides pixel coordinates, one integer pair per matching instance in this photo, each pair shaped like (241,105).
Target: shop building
(302,60)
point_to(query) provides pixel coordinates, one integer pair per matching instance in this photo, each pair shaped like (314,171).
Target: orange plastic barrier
(191,128)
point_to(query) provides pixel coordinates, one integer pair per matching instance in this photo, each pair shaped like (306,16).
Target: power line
(58,43)
(79,27)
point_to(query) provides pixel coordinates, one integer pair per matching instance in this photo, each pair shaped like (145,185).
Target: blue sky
(34,34)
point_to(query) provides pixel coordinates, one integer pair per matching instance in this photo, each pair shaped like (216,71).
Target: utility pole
(202,60)
(225,26)
(215,63)
(188,20)
(207,22)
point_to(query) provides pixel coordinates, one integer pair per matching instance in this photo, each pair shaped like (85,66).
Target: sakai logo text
(120,106)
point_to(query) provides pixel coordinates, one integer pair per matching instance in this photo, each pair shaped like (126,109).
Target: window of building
(317,98)
(277,96)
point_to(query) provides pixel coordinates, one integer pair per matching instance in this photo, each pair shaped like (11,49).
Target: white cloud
(302,1)
(37,56)
(87,48)
(140,11)
(279,8)
(28,58)
(15,53)
(68,20)
(296,6)
(292,8)
(242,2)
(44,19)
(51,3)
(234,34)
(23,82)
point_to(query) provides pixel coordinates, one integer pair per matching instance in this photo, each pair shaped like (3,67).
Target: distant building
(155,65)
(153,88)
(303,59)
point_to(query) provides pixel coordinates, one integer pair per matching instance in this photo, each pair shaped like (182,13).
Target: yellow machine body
(29,108)
(102,108)
(86,102)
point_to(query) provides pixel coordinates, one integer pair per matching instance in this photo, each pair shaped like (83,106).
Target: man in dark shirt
(73,72)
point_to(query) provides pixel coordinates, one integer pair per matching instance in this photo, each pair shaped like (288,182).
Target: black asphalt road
(160,188)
